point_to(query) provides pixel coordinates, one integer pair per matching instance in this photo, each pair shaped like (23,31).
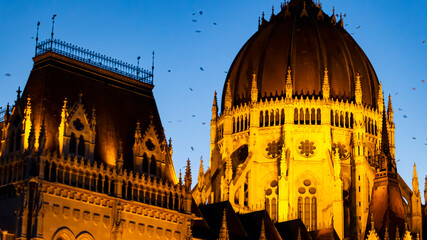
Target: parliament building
(302,147)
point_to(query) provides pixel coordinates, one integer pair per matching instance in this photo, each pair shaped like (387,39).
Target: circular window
(307,182)
(150,145)
(301,190)
(78,125)
(273,183)
(268,192)
(312,190)
(306,148)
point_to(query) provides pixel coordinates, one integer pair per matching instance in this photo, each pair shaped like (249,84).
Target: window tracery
(307,204)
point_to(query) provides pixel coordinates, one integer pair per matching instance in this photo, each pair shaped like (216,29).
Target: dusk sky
(188,36)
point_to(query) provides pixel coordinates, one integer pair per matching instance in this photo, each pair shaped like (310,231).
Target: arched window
(313,116)
(337,120)
(153,166)
(295,116)
(307,116)
(145,163)
(332,118)
(307,211)
(234,125)
(246,122)
(341,120)
(347,122)
(300,208)
(81,147)
(351,120)
(241,123)
(301,116)
(272,118)
(266,119)
(282,117)
(277,117)
(73,143)
(313,214)
(319,117)
(261,119)
(267,206)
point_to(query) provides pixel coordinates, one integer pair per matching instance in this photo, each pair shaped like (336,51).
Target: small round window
(150,145)
(307,182)
(78,125)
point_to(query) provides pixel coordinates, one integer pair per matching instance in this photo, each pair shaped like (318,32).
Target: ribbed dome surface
(307,43)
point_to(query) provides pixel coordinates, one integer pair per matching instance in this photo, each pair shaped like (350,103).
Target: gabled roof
(289,230)
(252,222)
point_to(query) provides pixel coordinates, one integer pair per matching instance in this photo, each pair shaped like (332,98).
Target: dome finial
(320,13)
(333,19)
(304,11)
(341,21)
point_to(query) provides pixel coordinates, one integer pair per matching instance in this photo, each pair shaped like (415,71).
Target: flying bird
(201,12)
(194,20)
(400,109)
(198,31)
(193,13)
(192,149)
(396,93)
(169,70)
(423,81)
(214,23)
(194,115)
(190,89)
(424,41)
(203,123)
(414,138)
(404,116)
(358,27)
(8,74)
(413,88)
(201,69)
(169,121)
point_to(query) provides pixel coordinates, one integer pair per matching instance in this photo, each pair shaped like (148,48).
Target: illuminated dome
(305,39)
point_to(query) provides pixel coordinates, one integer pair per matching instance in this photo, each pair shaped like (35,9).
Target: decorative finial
(333,19)
(320,15)
(201,171)
(187,178)
(397,233)
(262,234)
(223,232)
(358,89)
(304,11)
(51,35)
(137,66)
(288,85)
(228,100)
(152,65)
(37,36)
(259,22)
(325,87)
(254,88)
(386,234)
(180,178)
(341,20)
(19,93)
(170,142)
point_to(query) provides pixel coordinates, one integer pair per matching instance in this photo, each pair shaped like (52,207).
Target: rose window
(306,148)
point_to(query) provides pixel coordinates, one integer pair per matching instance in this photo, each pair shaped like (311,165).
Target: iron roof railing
(95,59)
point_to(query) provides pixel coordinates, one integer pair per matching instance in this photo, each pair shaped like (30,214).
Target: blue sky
(390,33)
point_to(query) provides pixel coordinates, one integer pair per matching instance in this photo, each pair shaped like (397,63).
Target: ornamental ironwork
(95,59)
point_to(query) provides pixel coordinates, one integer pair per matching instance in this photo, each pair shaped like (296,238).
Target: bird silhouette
(198,31)
(404,116)
(201,69)
(194,20)
(8,74)
(201,12)
(190,89)
(358,27)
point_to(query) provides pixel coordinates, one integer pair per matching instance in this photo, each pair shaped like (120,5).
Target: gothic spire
(325,87)
(214,107)
(385,143)
(288,86)
(380,97)
(415,183)
(358,90)
(254,88)
(187,178)
(390,109)
(262,234)
(223,232)
(228,100)
(333,19)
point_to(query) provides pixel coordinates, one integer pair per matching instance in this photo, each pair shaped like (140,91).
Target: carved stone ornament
(306,148)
